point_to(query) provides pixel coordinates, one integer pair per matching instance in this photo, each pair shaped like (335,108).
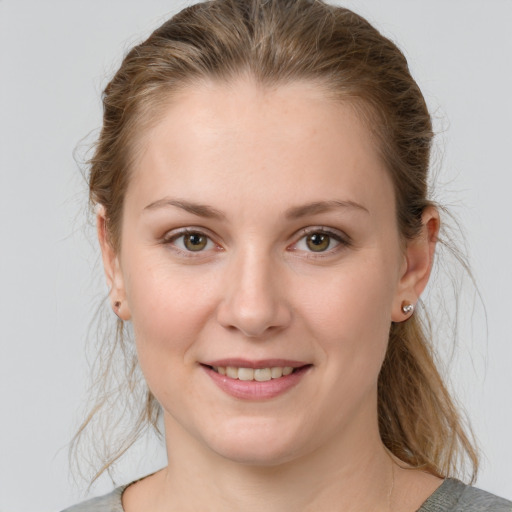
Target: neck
(354,472)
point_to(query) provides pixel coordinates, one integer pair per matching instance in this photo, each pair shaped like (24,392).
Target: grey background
(55,57)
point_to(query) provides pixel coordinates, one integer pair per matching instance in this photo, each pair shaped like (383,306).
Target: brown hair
(274,42)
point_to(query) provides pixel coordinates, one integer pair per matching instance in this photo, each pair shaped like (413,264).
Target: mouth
(255,374)
(251,380)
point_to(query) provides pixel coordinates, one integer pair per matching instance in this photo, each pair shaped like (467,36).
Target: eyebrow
(322,207)
(201,210)
(296,212)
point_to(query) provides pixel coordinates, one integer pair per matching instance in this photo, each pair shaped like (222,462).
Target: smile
(261,380)
(257,374)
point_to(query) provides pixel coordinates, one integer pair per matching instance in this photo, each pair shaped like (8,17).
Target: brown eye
(318,242)
(195,241)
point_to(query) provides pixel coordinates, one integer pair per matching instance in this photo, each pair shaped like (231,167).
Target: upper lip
(260,363)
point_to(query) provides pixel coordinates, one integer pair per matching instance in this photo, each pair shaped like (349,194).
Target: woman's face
(259,234)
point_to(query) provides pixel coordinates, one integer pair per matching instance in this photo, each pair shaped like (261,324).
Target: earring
(407,308)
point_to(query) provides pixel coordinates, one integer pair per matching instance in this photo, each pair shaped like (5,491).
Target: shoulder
(454,496)
(108,503)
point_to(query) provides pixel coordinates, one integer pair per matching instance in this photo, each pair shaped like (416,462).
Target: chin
(256,444)
(256,455)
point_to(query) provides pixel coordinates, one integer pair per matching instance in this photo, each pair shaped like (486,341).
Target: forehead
(291,142)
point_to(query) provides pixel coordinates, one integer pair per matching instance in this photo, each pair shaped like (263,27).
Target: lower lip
(255,390)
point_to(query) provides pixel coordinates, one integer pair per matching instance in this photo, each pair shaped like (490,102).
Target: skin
(256,157)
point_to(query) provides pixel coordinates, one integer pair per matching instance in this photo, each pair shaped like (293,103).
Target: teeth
(276,372)
(245,374)
(232,372)
(262,374)
(258,374)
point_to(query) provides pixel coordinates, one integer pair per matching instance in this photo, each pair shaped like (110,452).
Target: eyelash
(342,240)
(171,238)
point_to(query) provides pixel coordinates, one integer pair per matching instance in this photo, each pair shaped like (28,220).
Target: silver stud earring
(407,308)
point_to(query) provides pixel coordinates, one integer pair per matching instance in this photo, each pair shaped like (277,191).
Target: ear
(418,261)
(112,268)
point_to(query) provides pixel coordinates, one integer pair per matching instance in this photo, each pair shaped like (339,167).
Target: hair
(277,42)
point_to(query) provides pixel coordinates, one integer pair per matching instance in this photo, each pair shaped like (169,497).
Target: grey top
(451,496)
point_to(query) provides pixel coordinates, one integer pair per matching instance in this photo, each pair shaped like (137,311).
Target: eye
(320,241)
(195,241)
(191,241)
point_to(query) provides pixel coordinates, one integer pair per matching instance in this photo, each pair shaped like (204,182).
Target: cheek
(349,314)
(168,310)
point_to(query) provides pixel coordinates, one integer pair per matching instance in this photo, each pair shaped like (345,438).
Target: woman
(262,209)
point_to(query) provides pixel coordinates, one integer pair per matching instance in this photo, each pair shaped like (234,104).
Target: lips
(261,363)
(258,374)
(255,380)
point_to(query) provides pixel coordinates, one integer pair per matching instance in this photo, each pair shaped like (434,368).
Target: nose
(253,299)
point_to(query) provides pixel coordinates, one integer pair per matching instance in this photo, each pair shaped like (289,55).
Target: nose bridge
(255,275)
(253,302)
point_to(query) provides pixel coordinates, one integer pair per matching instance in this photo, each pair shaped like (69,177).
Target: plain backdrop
(55,58)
